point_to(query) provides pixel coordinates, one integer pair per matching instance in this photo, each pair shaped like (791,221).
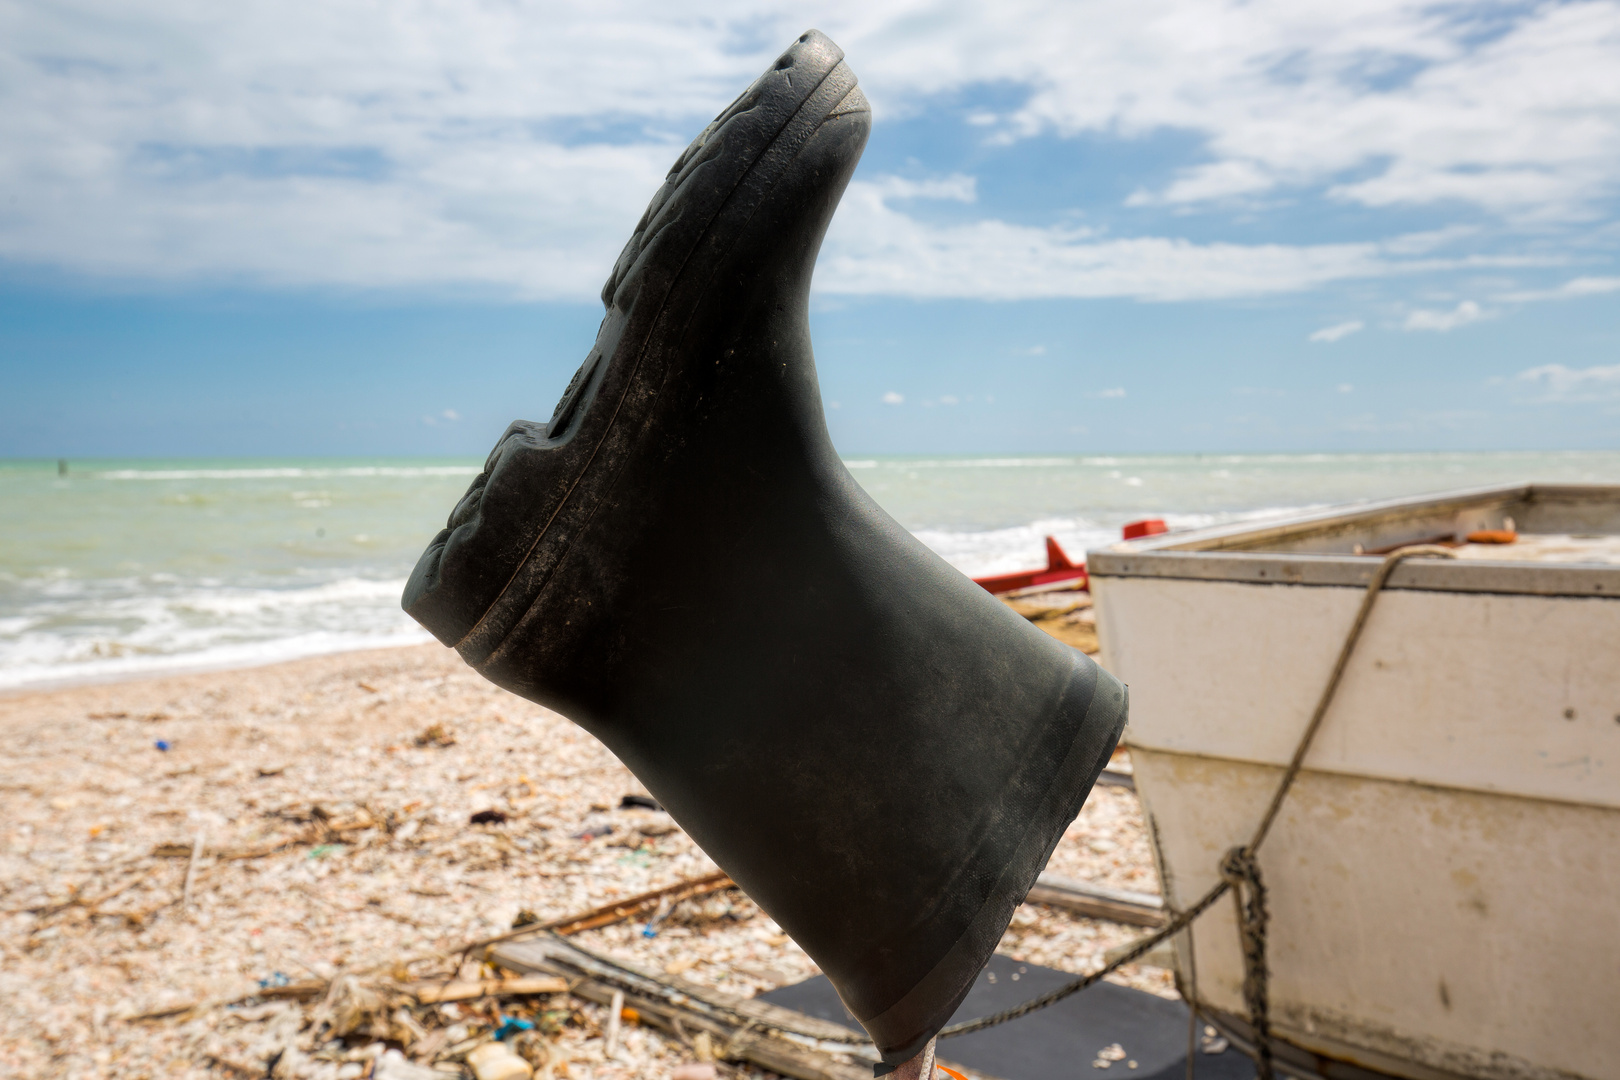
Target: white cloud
(954,188)
(948,399)
(1338,331)
(1112,392)
(512,146)
(875,249)
(1221,180)
(1562,384)
(451,415)
(1344,388)
(1573,289)
(1512,110)
(892,398)
(1461,315)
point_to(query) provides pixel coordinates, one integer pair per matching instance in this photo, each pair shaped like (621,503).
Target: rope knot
(1239,867)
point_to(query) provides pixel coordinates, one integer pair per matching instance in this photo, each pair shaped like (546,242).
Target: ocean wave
(980,553)
(100,628)
(42,671)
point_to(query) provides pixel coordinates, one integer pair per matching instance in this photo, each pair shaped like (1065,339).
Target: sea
(116,568)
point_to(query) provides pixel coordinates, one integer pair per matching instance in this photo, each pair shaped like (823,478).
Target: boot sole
(544,481)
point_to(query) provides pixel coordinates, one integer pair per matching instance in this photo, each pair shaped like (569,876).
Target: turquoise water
(121,567)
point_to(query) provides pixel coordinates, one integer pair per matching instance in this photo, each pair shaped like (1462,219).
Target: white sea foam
(46,672)
(78,630)
(1023,547)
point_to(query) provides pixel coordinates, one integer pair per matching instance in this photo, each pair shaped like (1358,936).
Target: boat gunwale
(1218,553)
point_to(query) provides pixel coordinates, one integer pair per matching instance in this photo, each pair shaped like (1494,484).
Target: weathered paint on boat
(1443,876)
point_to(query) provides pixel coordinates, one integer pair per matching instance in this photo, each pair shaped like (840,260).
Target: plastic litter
(164,745)
(488,817)
(511,1025)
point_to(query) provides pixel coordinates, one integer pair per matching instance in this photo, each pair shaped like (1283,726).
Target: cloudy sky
(345,227)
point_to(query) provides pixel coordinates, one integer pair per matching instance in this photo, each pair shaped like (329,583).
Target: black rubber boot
(881,754)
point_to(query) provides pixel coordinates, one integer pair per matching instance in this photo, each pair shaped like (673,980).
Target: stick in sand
(191,868)
(610,1047)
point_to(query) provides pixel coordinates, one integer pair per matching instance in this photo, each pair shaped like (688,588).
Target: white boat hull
(1444,878)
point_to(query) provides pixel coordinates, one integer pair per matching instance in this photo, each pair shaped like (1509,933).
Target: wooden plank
(436,993)
(1098,901)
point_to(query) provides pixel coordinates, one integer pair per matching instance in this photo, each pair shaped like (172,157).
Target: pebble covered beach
(210,874)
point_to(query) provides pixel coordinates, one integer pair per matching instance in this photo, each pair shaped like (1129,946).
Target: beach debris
(497,1061)
(511,1026)
(1211,1041)
(655,829)
(645,802)
(91,921)
(617,912)
(1492,536)
(533,1048)
(163,745)
(610,1042)
(694,1071)
(393,1065)
(436,735)
(465,991)
(191,869)
(491,816)
(1108,1055)
(1098,901)
(718,1025)
(1135,530)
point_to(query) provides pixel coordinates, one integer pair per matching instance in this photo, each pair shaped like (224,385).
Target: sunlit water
(122,567)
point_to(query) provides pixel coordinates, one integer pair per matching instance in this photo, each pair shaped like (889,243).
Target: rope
(1142,946)
(1240,869)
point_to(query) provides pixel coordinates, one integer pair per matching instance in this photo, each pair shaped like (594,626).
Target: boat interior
(1561,523)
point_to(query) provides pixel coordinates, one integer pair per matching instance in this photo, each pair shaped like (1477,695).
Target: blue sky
(337,228)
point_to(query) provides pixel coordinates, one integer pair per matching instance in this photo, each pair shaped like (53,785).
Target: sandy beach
(173,846)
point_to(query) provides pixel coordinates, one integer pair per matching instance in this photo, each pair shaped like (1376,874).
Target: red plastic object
(1059,569)
(1146,527)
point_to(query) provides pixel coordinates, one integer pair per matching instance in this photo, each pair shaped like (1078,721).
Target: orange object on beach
(1135,530)
(1059,570)
(1492,536)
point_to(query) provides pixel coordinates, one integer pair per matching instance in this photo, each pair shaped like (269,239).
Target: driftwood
(1098,901)
(467,991)
(687,1011)
(618,911)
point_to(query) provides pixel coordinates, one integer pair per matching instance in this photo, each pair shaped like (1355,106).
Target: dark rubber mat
(1062,1041)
